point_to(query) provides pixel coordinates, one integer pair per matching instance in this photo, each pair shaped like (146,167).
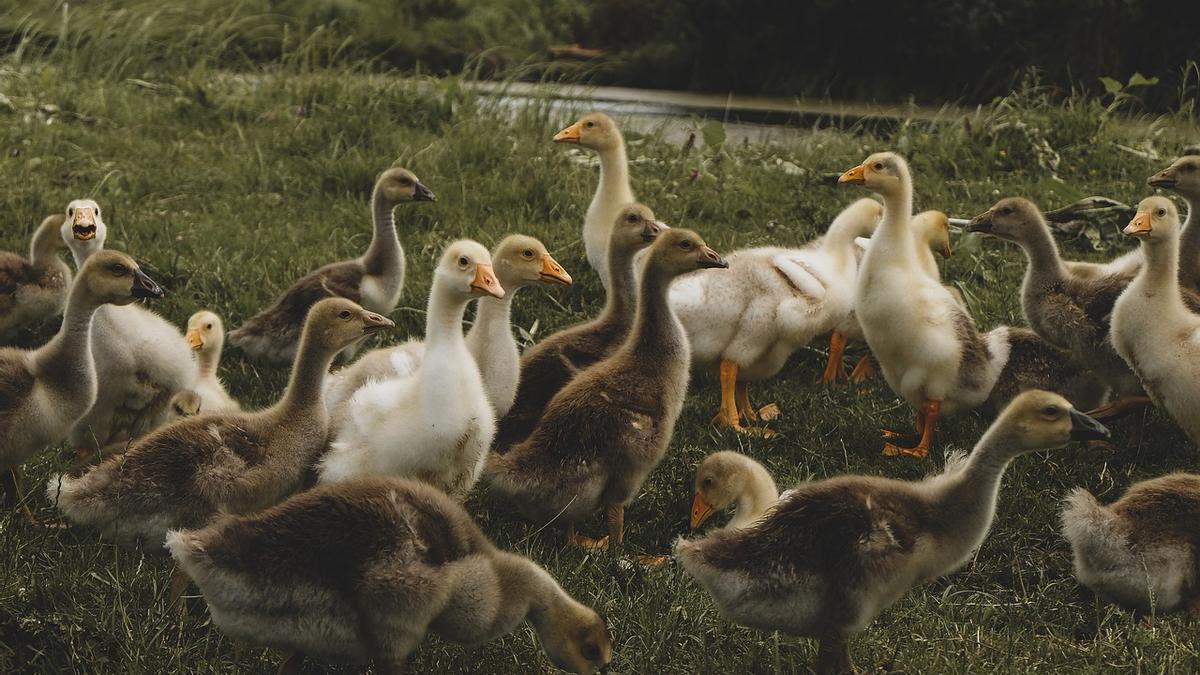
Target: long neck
(614,175)
(654,331)
(43,250)
(493,323)
(893,239)
(443,319)
(759,495)
(82,250)
(1157,282)
(968,495)
(1042,251)
(304,393)
(384,256)
(622,287)
(1189,245)
(207,360)
(68,355)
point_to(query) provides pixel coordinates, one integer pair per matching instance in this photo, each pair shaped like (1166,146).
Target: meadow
(228,186)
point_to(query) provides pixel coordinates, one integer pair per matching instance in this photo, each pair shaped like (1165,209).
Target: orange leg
(927,423)
(728,416)
(584,542)
(1120,407)
(179,585)
(11,481)
(616,527)
(291,665)
(742,397)
(863,370)
(835,369)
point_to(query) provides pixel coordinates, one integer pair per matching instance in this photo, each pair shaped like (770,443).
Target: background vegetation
(227,185)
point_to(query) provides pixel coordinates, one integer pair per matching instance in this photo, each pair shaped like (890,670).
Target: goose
(928,347)
(932,232)
(547,366)
(375,279)
(747,322)
(206,335)
(599,132)
(729,478)
(1153,329)
(437,424)
(1142,551)
(363,570)
(142,360)
(519,261)
(1069,311)
(1183,178)
(45,391)
(34,289)
(833,554)
(182,474)
(603,433)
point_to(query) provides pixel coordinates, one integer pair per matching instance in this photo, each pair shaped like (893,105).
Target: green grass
(226,193)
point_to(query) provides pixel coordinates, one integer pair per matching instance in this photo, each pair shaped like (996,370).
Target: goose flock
(331,523)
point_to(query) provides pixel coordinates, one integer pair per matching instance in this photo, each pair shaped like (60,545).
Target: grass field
(228,187)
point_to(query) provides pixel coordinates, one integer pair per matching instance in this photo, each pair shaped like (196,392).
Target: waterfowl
(206,335)
(374,280)
(747,322)
(1153,329)
(1183,178)
(1142,551)
(182,474)
(437,424)
(142,360)
(599,132)
(548,365)
(363,570)
(36,288)
(45,391)
(518,261)
(1069,311)
(603,433)
(832,554)
(932,232)
(729,478)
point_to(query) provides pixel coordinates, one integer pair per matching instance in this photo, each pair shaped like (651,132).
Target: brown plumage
(365,568)
(548,365)
(1034,363)
(184,473)
(35,288)
(605,431)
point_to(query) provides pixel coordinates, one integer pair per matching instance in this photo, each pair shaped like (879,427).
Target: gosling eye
(706,483)
(527,254)
(1051,411)
(97,210)
(344,314)
(1006,211)
(1160,213)
(463,261)
(208,326)
(632,218)
(120,270)
(878,166)
(589,125)
(590,651)
(686,244)
(71,211)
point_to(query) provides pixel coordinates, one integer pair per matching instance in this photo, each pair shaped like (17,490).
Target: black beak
(424,194)
(604,669)
(653,229)
(709,259)
(1084,428)
(1162,179)
(144,286)
(981,223)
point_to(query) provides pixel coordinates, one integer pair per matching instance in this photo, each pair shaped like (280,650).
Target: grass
(228,186)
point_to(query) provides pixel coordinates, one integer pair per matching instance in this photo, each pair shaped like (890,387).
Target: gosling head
(678,251)
(721,479)
(933,229)
(859,219)
(401,185)
(635,229)
(338,323)
(1012,219)
(1182,177)
(882,172)
(185,403)
(1156,221)
(83,230)
(1042,420)
(521,260)
(114,278)
(594,130)
(576,639)
(466,266)
(205,332)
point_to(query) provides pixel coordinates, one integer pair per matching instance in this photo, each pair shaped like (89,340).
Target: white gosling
(206,335)
(729,478)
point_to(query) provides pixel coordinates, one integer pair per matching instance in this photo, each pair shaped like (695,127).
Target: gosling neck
(493,321)
(1189,245)
(613,188)
(622,286)
(1042,252)
(894,239)
(443,318)
(67,357)
(304,395)
(656,334)
(545,603)
(1157,281)
(47,240)
(384,256)
(968,496)
(758,496)
(207,360)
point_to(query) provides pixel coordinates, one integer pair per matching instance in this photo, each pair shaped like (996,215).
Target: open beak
(485,282)
(981,223)
(571,134)
(194,339)
(855,176)
(553,273)
(1084,428)
(1139,226)
(652,229)
(144,286)
(376,323)
(423,194)
(701,511)
(1163,179)
(708,259)
(84,226)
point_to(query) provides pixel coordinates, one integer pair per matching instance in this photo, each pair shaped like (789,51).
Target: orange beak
(701,511)
(485,282)
(84,225)
(855,176)
(1139,226)
(553,273)
(571,134)
(194,339)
